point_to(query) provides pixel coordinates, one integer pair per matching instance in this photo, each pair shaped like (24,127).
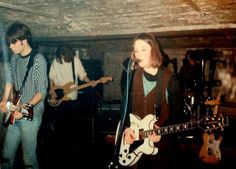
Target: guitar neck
(171,129)
(82,86)
(206,124)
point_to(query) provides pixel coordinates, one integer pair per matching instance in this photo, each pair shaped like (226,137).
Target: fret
(158,132)
(171,129)
(175,128)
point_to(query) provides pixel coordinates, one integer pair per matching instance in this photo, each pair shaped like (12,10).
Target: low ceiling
(56,20)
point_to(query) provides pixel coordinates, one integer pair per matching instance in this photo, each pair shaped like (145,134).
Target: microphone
(130,63)
(134,63)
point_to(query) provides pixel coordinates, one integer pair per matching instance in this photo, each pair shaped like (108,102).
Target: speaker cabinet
(82,131)
(108,117)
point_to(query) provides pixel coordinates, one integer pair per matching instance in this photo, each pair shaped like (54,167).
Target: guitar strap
(73,69)
(30,64)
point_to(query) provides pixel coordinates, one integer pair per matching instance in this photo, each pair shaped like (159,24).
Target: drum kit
(196,105)
(196,99)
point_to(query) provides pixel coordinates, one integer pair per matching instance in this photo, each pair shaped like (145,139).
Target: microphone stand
(123,112)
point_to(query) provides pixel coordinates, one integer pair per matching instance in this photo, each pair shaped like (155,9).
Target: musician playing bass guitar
(66,68)
(154,90)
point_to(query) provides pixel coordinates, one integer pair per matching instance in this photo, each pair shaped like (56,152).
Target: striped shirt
(36,81)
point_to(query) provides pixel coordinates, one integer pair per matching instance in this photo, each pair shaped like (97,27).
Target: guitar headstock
(213,102)
(105,79)
(210,123)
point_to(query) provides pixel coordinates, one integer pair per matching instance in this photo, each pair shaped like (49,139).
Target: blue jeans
(24,132)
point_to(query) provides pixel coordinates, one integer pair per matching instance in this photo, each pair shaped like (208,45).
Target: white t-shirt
(62,74)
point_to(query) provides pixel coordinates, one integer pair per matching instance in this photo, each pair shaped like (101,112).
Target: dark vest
(155,102)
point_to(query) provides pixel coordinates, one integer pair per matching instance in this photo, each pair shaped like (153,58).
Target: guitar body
(60,94)
(10,118)
(210,151)
(129,158)
(16,111)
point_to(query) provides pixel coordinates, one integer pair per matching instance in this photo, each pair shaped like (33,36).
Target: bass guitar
(61,92)
(143,128)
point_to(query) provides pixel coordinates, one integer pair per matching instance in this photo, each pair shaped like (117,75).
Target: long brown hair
(156,56)
(66,51)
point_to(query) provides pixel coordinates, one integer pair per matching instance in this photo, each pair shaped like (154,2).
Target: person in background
(66,68)
(190,74)
(28,77)
(190,78)
(154,91)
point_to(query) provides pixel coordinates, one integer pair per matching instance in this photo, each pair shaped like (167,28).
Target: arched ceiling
(103,19)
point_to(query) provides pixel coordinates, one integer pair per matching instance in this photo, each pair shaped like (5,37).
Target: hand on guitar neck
(58,94)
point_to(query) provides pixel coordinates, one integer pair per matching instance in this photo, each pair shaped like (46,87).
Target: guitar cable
(124,106)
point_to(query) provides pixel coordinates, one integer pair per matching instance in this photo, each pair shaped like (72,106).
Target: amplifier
(82,130)
(108,117)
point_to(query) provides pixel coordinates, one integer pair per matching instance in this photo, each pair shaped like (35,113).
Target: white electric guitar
(143,128)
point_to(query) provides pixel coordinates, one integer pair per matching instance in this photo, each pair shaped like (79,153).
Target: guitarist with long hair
(65,69)
(27,74)
(155,91)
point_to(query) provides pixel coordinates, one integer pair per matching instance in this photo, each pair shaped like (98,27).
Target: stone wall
(112,53)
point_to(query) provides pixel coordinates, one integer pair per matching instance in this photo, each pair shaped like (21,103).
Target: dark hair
(66,51)
(190,54)
(156,56)
(18,31)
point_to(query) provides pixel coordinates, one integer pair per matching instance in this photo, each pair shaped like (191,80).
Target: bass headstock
(105,79)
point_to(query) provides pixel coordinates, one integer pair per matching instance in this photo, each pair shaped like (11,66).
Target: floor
(76,143)
(79,146)
(66,154)
(83,142)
